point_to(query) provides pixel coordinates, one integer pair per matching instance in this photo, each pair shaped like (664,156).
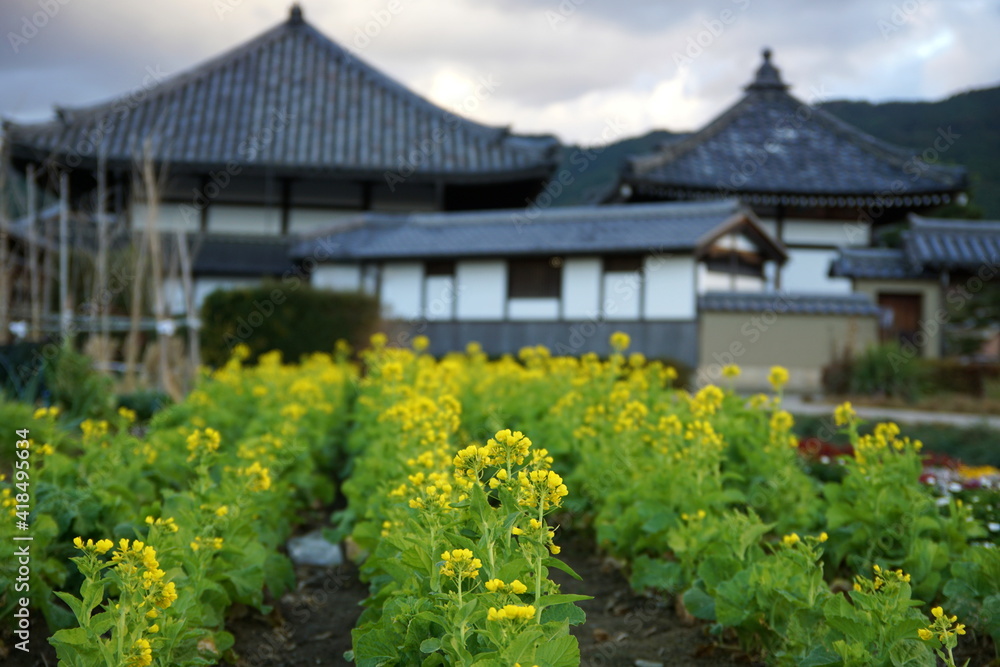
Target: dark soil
(40,653)
(623,627)
(309,626)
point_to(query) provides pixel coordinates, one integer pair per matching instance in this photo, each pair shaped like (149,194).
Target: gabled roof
(874,263)
(785,303)
(939,243)
(627,228)
(772,148)
(290,100)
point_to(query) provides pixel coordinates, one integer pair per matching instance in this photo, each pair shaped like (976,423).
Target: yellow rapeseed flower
(844,414)
(778,377)
(620,341)
(731,371)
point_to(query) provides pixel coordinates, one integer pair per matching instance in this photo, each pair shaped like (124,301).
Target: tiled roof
(772,148)
(938,243)
(627,228)
(290,100)
(795,304)
(874,263)
(241,256)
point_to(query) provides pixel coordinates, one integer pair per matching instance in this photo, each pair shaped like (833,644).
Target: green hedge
(274,317)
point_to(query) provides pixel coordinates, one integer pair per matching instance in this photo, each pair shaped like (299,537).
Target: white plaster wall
(735,242)
(622,295)
(750,284)
(400,291)
(169,217)
(670,288)
(439,297)
(339,277)
(835,233)
(533,309)
(309,220)
(581,286)
(173,296)
(228,219)
(806,271)
(716,281)
(482,289)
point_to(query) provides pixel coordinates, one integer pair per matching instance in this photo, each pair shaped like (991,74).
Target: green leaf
(430,645)
(102,622)
(821,657)
(656,573)
(522,647)
(279,574)
(564,613)
(224,641)
(559,652)
(700,604)
(559,565)
(71,637)
(513,569)
(93,594)
(75,604)
(549,600)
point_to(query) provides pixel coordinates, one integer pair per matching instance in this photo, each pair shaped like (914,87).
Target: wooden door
(905,321)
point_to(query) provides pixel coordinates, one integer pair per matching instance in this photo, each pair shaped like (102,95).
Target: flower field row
(702,495)
(459,476)
(162,534)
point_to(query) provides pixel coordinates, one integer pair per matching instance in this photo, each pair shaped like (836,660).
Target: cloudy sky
(569,67)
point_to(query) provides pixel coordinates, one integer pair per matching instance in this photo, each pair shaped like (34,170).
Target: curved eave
(20,151)
(803,199)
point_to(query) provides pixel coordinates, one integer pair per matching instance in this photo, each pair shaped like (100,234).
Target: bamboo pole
(33,287)
(164,331)
(6,268)
(101,283)
(48,253)
(65,307)
(193,322)
(135,305)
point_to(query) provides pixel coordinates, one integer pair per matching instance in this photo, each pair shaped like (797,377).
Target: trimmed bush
(274,317)
(881,370)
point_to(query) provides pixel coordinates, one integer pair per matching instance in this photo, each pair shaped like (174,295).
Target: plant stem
(541,556)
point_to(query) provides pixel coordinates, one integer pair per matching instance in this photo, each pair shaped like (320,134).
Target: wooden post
(136,302)
(193,321)
(33,286)
(6,268)
(164,335)
(101,283)
(65,309)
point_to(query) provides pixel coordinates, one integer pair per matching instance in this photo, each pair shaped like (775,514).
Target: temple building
(284,135)
(566,279)
(816,182)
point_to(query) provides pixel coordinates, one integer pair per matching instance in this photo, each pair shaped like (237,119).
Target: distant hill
(972,116)
(595,170)
(915,125)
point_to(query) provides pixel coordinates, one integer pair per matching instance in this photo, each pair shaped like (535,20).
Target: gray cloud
(566,66)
